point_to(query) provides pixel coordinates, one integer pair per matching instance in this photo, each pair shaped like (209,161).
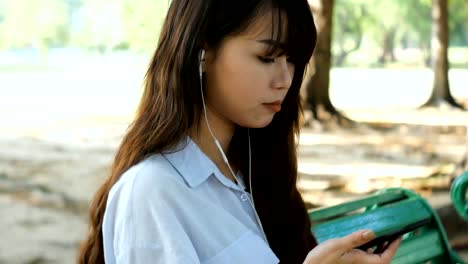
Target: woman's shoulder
(154,174)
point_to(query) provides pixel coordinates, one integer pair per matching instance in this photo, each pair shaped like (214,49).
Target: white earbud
(201,61)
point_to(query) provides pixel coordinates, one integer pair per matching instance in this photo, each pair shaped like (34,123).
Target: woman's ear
(207,60)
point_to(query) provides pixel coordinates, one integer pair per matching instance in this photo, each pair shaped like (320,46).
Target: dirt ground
(47,176)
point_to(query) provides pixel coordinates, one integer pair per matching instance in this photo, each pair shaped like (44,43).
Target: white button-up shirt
(178,208)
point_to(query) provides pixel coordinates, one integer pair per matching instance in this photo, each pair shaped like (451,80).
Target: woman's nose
(285,72)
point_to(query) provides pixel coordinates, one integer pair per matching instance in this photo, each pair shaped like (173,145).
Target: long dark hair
(171,105)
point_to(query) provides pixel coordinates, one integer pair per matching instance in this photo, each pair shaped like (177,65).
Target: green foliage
(104,25)
(417,23)
(107,25)
(119,24)
(33,23)
(411,20)
(367,22)
(102,22)
(143,21)
(458,22)
(348,23)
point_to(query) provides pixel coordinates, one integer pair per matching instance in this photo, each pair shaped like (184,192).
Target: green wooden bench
(459,195)
(384,212)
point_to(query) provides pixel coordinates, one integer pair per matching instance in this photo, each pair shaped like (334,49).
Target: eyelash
(271,60)
(266,59)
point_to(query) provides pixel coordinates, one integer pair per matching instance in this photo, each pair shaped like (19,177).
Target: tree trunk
(317,80)
(440,64)
(426,54)
(388,46)
(343,52)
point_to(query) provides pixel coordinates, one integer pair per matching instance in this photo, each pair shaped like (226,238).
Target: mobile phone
(379,242)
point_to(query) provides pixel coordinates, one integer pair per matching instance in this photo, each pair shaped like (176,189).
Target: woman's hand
(343,250)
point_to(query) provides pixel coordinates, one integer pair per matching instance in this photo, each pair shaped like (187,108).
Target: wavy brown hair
(171,105)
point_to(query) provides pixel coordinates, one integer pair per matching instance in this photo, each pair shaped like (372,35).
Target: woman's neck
(223,130)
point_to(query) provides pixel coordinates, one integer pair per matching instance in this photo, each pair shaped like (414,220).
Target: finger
(385,244)
(390,252)
(355,239)
(361,257)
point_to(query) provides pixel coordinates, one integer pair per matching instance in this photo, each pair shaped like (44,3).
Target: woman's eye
(266,59)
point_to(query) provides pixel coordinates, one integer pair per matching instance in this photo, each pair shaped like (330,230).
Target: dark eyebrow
(272,42)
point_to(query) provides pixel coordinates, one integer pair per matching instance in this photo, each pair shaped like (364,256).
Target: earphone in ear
(201,61)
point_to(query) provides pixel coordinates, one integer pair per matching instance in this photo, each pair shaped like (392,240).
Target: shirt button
(244,197)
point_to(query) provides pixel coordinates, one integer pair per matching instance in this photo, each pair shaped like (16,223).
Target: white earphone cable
(218,145)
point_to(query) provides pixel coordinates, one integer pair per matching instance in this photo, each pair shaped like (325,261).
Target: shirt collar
(195,167)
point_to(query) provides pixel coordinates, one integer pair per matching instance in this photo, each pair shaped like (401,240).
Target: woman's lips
(274,106)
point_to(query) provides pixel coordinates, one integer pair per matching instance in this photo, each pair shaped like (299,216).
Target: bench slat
(421,248)
(324,213)
(382,220)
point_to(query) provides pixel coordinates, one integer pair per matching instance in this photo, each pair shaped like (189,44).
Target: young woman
(207,171)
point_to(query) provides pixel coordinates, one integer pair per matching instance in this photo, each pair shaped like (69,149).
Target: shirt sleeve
(147,225)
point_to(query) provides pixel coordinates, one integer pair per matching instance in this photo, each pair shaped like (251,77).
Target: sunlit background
(71,74)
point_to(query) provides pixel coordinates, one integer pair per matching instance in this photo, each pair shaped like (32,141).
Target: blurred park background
(385,98)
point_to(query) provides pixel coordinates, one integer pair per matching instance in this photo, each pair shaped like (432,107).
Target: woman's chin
(261,123)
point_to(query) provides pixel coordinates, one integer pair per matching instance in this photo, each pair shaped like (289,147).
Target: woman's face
(244,86)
